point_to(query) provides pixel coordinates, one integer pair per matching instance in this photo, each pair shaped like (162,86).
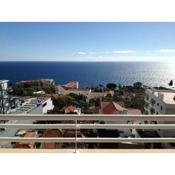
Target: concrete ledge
(4,150)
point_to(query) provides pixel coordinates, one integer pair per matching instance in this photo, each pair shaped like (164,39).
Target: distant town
(44,96)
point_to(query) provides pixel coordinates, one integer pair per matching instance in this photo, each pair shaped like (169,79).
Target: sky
(87,41)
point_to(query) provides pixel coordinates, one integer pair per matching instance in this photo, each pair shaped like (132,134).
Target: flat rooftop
(167,96)
(29,105)
(4,81)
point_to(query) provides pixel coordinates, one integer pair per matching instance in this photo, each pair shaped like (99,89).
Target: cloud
(124,51)
(82,53)
(166,51)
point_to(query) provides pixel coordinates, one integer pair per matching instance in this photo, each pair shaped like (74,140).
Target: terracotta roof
(26,144)
(95,110)
(133,111)
(85,90)
(111,107)
(54,95)
(69,109)
(107,108)
(36,81)
(29,134)
(97,94)
(51,133)
(61,86)
(71,84)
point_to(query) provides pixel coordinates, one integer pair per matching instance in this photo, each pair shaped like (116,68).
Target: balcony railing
(135,122)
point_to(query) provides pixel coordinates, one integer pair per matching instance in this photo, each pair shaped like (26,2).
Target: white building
(159,102)
(4,104)
(40,105)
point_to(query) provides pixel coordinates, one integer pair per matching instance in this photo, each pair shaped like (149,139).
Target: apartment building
(159,102)
(40,105)
(4,104)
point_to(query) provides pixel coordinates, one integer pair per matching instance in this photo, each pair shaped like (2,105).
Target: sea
(91,73)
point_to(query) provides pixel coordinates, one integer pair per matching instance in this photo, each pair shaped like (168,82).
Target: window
(153,102)
(161,108)
(152,110)
(157,104)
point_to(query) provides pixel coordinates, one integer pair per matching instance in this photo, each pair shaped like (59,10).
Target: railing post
(75,151)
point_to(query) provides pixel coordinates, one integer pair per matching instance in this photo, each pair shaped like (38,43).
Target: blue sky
(87,41)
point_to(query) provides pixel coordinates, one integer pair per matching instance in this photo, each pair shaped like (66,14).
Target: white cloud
(82,53)
(166,51)
(124,51)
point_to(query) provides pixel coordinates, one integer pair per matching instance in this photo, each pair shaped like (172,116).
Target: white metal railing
(135,119)
(88,117)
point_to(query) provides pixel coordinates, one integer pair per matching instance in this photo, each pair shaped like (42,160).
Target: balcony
(84,122)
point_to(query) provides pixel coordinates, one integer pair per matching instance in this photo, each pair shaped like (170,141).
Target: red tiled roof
(108,108)
(68,109)
(111,107)
(26,144)
(35,81)
(95,110)
(54,95)
(29,134)
(51,133)
(97,94)
(71,85)
(133,111)
(85,90)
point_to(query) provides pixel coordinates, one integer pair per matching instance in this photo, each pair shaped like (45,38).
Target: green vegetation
(111,86)
(22,90)
(94,101)
(71,99)
(108,97)
(131,96)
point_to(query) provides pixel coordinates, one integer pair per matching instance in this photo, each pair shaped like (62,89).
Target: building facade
(159,102)
(39,105)
(4,100)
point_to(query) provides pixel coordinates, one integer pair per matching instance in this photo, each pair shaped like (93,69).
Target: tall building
(4,101)
(159,102)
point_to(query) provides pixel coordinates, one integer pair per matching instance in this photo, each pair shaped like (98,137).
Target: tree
(108,97)
(137,84)
(111,86)
(94,101)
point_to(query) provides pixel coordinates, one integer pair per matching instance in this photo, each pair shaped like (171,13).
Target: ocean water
(91,73)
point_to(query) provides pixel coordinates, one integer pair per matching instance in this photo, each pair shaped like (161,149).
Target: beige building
(159,102)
